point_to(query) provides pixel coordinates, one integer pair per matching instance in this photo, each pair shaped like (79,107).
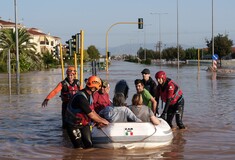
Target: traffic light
(69,47)
(56,51)
(75,43)
(140,23)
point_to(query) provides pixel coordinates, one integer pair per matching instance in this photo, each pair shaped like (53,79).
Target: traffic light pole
(81,57)
(73,47)
(62,61)
(106,42)
(75,63)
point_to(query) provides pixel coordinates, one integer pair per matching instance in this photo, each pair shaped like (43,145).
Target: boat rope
(155,130)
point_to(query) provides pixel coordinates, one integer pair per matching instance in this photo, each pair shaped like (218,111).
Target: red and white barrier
(215,65)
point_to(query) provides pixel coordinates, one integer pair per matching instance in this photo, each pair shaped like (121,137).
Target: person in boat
(68,87)
(118,112)
(172,96)
(122,87)
(149,83)
(148,99)
(142,111)
(101,97)
(79,115)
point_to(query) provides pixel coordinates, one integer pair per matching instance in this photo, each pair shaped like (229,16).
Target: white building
(45,42)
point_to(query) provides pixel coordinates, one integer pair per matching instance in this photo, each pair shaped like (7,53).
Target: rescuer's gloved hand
(44,103)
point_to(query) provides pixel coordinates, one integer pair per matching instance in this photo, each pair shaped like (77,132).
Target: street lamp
(178,50)
(140,26)
(17,48)
(212,18)
(160,42)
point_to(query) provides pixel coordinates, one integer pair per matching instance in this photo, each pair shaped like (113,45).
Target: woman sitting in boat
(118,112)
(142,111)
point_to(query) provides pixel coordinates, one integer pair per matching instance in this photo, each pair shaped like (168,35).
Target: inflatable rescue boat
(129,135)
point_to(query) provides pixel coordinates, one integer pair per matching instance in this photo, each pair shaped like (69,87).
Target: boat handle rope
(155,130)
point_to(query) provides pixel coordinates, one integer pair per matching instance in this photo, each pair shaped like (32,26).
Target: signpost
(214,59)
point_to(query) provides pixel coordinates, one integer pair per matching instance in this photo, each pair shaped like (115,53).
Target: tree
(222,46)
(191,53)
(171,53)
(29,59)
(93,52)
(150,54)
(85,56)
(49,60)
(140,53)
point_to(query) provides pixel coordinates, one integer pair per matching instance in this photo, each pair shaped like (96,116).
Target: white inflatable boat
(131,135)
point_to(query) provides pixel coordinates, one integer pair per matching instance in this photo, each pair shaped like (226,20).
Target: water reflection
(28,131)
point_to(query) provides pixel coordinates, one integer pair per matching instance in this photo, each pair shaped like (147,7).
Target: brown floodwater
(29,132)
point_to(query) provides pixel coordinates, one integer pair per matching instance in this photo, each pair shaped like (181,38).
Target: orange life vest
(68,90)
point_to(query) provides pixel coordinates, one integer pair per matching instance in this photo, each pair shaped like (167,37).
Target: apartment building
(45,42)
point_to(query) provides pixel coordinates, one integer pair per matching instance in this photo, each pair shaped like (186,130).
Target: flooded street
(29,132)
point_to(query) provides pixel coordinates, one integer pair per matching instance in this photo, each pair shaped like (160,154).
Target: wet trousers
(80,136)
(177,111)
(63,112)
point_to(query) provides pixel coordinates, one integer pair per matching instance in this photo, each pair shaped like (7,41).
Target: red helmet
(70,69)
(94,81)
(160,74)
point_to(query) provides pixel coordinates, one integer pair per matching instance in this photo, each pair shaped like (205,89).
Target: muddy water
(28,131)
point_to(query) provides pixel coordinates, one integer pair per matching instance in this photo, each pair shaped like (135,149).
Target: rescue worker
(79,114)
(68,87)
(172,96)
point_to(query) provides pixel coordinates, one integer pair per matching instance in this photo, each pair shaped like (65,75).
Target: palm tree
(29,59)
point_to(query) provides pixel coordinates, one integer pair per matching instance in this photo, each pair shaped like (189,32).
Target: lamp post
(17,47)
(212,19)
(160,42)
(178,50)
(106,39)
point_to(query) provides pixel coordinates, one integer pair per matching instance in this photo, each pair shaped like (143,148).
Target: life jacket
(77,117)
(68,90)
(164,92)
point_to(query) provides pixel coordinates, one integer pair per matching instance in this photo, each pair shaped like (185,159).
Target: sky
(64,18)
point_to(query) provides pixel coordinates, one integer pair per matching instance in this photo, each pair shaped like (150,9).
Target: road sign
(215,57)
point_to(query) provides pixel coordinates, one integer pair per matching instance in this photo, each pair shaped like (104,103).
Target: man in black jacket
(149,83)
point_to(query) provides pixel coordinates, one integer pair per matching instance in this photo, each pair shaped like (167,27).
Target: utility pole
(178,50)
(159,44)
(212,19)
